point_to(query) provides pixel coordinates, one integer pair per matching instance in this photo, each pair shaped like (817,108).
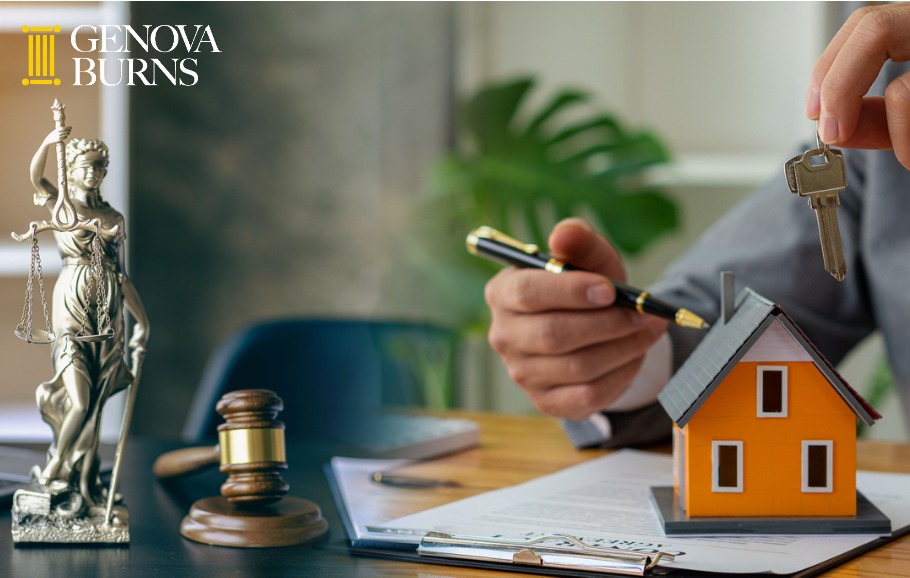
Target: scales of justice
(66,501)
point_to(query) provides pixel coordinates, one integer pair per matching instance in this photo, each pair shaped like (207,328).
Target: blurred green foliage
(880,385)
(521,169)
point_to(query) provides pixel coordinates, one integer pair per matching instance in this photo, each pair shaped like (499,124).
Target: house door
(727,466)
(817,465)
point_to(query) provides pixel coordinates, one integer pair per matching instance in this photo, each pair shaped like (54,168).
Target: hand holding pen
(561,339)
(490,243)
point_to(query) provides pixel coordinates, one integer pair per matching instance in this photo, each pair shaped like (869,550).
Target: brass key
(821,174)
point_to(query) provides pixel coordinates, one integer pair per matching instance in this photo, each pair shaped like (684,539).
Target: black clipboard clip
(536,552)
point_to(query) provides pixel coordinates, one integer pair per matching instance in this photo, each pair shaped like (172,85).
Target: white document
(606,503)
(360,494)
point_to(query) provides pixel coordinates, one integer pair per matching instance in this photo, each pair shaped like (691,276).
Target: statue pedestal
(44,516)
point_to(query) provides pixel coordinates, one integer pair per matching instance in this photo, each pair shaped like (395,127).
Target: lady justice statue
(67,501)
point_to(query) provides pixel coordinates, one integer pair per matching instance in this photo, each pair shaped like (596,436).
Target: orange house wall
(772,447)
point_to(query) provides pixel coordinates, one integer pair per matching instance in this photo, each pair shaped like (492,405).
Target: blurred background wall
(281,183)
(269,189)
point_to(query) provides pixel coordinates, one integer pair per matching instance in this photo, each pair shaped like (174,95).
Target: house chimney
(727,297)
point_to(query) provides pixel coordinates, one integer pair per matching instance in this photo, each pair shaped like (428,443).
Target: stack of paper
(605,502)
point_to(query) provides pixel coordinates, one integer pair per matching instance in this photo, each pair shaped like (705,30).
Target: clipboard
(411,555)
(547,551)
(542,555)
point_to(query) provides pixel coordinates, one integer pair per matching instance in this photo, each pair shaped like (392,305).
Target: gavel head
(252,446)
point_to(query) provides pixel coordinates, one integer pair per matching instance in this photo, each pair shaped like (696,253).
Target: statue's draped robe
(99,366)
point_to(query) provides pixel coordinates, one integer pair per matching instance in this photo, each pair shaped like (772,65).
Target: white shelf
(717,170)
(22,422)
(15,258)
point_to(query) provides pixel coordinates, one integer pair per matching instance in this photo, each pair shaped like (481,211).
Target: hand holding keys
(821,174)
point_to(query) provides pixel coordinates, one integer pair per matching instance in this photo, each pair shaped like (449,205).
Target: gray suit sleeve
(770,242)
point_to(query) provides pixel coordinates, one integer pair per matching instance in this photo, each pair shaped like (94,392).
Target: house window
(818,466)
(727,466)
(772,391)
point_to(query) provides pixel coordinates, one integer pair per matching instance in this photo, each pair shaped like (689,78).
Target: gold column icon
(41,66)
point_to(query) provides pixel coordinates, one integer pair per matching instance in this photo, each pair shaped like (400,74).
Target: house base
(868,520)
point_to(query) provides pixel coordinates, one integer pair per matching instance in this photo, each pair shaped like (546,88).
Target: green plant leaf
(606,123)
(522,170)
(488,115)
(634,219)
(560,102)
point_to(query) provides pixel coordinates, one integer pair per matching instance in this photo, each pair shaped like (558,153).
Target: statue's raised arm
(63,216)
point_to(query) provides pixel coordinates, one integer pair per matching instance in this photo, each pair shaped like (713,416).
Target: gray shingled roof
(723,347)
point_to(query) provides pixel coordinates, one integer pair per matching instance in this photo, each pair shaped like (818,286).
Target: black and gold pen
(405,481)
(488,242)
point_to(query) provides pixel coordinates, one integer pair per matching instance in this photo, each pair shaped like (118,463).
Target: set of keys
(821,174)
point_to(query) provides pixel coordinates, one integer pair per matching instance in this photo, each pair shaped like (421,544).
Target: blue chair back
(329,372)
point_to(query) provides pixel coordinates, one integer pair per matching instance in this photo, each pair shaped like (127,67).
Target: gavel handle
(186,461)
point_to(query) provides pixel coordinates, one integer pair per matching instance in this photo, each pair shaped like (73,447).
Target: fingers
(58,135)
(582,400)
(897,104)
(579,383)
(872,130)
(573,240)
(558,332)
(583,365)
(529,291)
(558,335)
(845,72)
(826,60)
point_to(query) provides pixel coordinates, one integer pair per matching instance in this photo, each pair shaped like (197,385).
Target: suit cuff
(641,427)
(651,378)
(590,432)
(597,430)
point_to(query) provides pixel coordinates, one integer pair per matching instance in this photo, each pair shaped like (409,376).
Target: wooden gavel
(250,449)
(252,510)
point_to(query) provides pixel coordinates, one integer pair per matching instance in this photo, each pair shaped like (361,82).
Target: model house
(764,425)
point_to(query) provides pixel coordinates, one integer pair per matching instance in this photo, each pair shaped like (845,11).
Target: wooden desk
(513,449)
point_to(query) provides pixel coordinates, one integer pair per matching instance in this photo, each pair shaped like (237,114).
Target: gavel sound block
(252,510)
